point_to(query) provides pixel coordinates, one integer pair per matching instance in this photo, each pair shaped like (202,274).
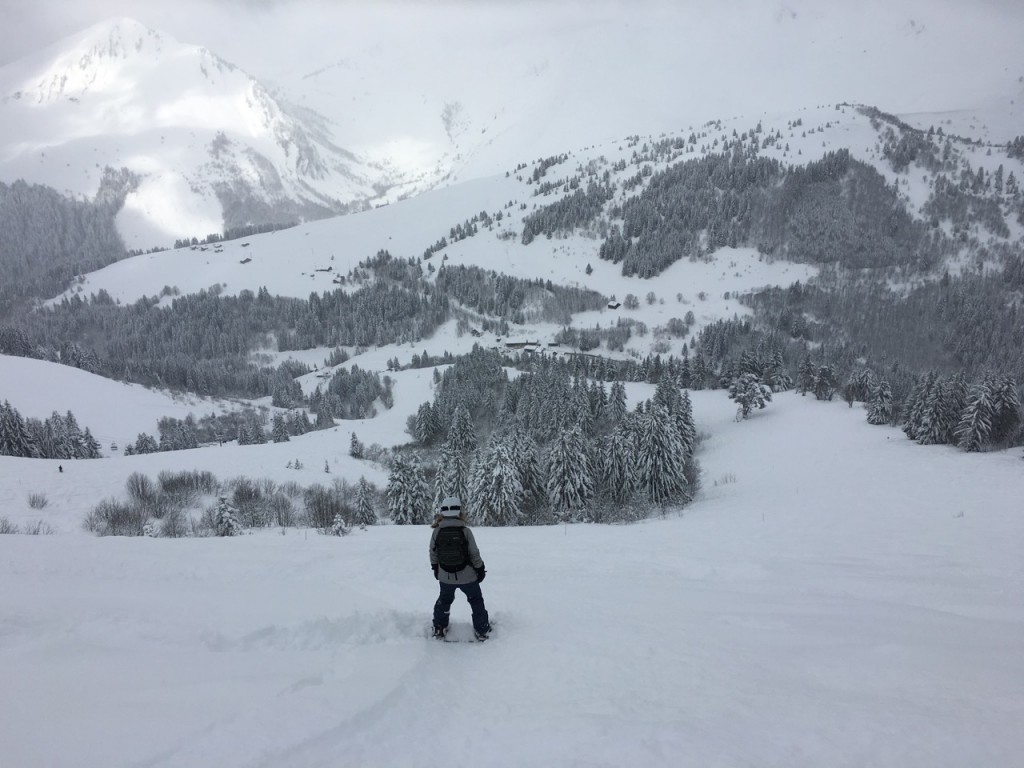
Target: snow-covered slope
(210,145)
(838,596)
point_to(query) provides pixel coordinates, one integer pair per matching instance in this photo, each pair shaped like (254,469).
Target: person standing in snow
(456,562)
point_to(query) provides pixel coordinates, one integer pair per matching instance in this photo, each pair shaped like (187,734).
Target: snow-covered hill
(838,596)
(210,146)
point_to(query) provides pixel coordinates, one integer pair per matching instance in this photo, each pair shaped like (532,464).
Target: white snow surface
(837,596)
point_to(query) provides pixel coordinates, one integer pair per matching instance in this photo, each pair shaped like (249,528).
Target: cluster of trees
(836,209)
(499,295)
(546,446)
(46,239)
(233,233)
(576,210)
(351,394)
(947,410)
(58,437)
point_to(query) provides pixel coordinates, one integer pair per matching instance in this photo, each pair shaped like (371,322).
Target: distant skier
(455,560)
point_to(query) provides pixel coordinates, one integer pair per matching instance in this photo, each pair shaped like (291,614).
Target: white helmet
(451,507)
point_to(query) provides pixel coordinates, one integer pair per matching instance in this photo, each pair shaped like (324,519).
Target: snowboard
(459,633)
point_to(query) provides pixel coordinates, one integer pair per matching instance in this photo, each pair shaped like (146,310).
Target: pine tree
(570,474)
(531,477)
(826,382)
(427,425)
(749,393)
(496,490)
(408,498)
(355,448)
(975,426)
(461,436)
(452,476)
(1006,407)
(880,404)
(338,527)
(279,432)
(226,520)
(365,514)
(15,438)
(805,376)
(661,457)
(617,403)
(618,464)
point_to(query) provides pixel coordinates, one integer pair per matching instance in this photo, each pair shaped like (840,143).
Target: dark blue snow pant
(481,622)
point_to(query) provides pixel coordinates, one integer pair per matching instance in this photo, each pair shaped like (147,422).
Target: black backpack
(452,548)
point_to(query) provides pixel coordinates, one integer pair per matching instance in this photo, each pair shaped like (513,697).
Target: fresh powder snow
(837,595)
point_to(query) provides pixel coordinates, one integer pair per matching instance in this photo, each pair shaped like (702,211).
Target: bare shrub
(38,500)
(281,509)
(187,486)
(174,525)
(6,526)
(145,496)
(291,489)
(322,507)
(246,497)
(113,518)
(38,528)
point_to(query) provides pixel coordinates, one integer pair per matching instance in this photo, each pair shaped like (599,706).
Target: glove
(433,567)
(481,572)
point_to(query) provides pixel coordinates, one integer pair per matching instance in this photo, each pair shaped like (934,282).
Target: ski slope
(836,596)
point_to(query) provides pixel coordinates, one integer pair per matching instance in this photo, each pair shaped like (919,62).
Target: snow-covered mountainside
(208,146)
(420,98)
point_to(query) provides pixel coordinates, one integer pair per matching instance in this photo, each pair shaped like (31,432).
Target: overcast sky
(279,40)
(28,25)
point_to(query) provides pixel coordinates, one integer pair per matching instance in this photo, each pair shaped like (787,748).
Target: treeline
(233,233)
(58,437)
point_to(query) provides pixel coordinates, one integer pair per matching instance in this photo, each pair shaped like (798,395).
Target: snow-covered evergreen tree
(749,393)
(355,448)
(15,438)
(974,429)
(461,436)
(880,403)
(525,456)
(452,475)
(226,519)
(426,424)
(365,514)
(1006,407)
(407,495)
(826,382)
(279,432)
(618,478)
(496,490)
(338,527)
(661,457)
(570,474)
(617,403)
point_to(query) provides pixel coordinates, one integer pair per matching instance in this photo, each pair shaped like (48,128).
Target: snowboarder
(455,560)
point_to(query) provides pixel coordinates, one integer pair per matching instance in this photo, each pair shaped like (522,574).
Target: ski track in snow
(837,596)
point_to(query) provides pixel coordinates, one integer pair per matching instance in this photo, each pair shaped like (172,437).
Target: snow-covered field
(837,596)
